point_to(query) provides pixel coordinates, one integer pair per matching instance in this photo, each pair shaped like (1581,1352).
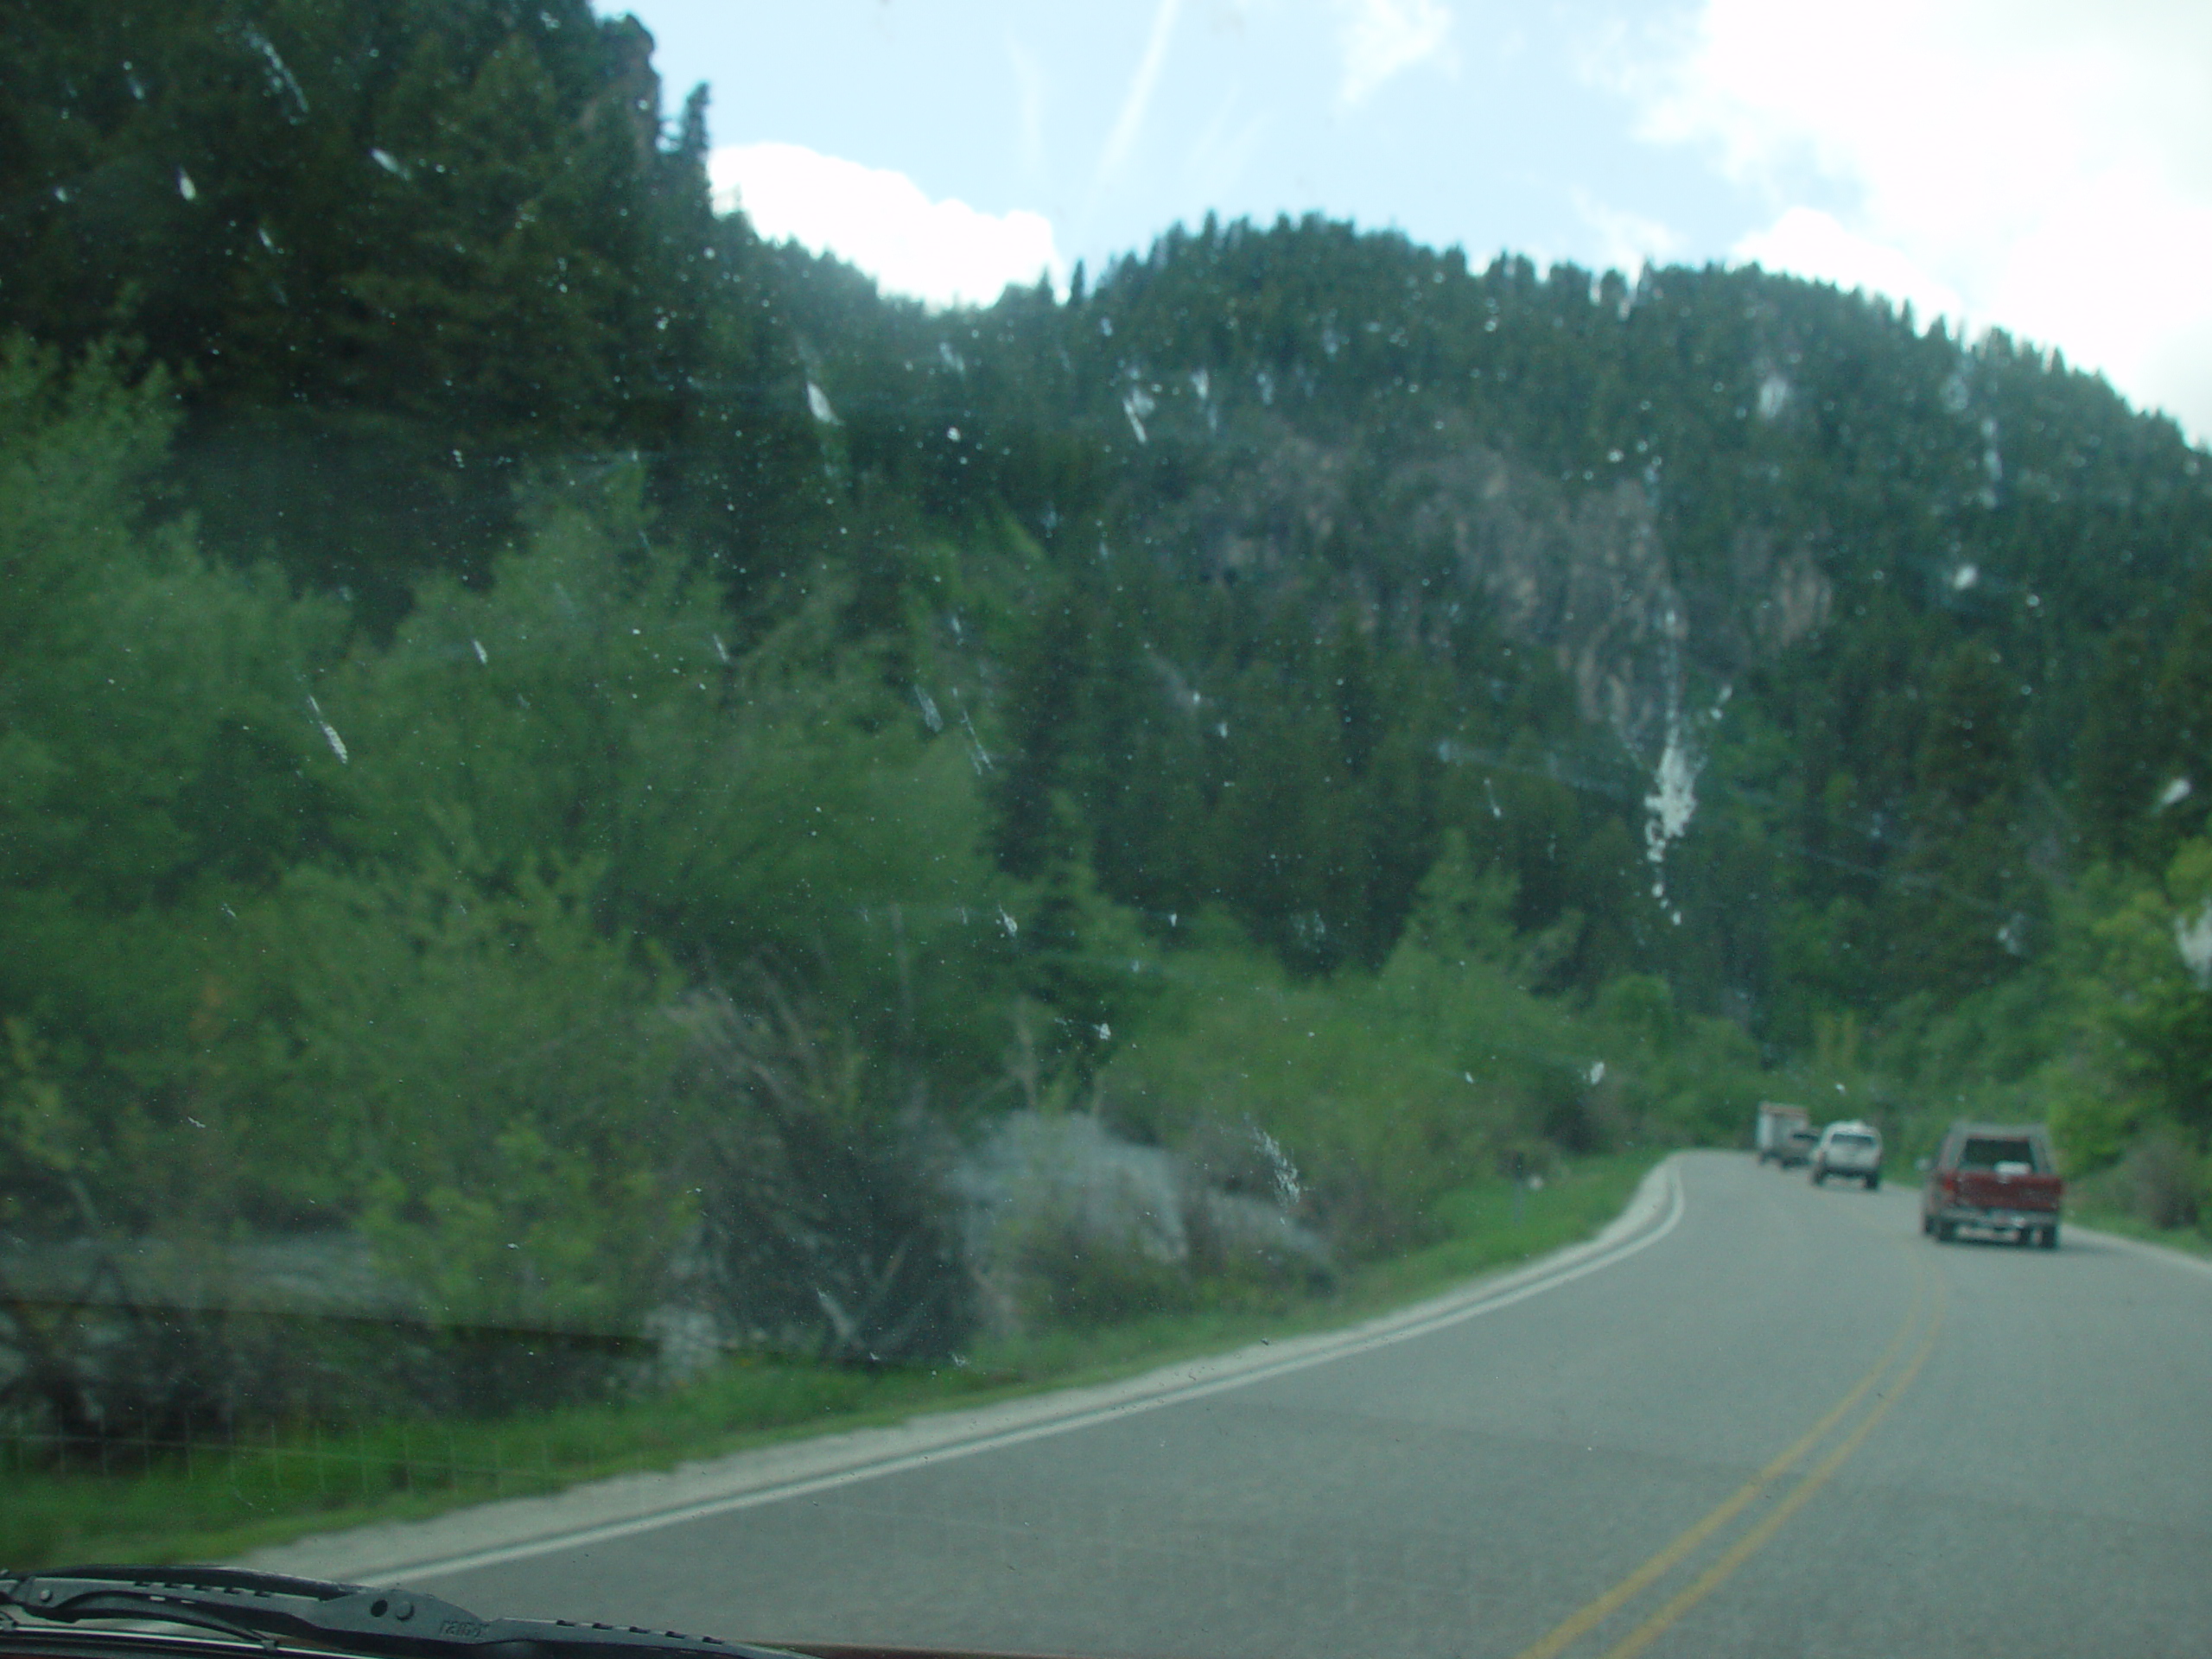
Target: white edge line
(807,1487)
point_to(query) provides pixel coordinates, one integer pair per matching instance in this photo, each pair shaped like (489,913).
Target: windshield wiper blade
(270,1608)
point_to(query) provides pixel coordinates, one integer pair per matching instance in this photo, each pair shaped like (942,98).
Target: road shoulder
(517,1527)
(2199,1265)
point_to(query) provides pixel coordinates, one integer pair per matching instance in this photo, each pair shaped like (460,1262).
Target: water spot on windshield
(1137,403)
(1287,1187)
(330,734)
(2193,938)
(280,75)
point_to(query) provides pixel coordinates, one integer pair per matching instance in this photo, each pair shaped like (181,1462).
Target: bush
(1068,1277)
(827,1220)
(2164,1179)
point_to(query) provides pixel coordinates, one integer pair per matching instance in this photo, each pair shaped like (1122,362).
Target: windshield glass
(1010,827)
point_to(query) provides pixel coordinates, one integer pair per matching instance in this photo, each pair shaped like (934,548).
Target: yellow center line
(1582,1622)
(1745,1548)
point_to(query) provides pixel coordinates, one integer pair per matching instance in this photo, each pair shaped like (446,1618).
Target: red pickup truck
(1996,1178)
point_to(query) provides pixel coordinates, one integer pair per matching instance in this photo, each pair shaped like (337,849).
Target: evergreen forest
(551,749)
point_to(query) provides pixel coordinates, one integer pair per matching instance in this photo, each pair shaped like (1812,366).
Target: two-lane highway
(1789,1424)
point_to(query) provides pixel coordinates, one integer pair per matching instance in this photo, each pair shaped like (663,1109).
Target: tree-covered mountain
(1904,606)
(504,677)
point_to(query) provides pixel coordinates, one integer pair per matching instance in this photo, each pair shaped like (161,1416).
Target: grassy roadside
(2191,1239)
(206,1503)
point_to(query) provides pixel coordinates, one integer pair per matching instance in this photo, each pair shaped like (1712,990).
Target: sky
(2042,167)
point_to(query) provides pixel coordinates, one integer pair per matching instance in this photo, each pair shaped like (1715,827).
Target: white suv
(1849,1149)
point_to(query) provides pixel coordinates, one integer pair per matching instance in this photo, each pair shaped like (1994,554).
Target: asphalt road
(1787,1425)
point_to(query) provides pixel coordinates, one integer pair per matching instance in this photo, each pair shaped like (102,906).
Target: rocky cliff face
(1579,570)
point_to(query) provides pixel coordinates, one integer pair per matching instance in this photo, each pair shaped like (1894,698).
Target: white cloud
(1629,240)
(2030,164)
(940,252)
(1809,242)
(1381,39)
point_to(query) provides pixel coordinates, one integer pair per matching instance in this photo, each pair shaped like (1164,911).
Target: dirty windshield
(958,825)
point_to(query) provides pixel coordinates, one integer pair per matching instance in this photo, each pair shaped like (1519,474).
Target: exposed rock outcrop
(1580,568)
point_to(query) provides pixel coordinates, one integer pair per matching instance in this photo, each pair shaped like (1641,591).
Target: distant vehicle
(1776,1123)
(1993,1178)
(1851,1149)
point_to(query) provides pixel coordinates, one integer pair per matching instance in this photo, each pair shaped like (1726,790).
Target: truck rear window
(1987,1152)
(1856,1142)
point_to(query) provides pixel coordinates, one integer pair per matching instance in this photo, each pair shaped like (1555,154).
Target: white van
(1775,1135)
(1850,1149)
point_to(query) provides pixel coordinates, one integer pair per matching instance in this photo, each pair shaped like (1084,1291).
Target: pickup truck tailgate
(1983,1190)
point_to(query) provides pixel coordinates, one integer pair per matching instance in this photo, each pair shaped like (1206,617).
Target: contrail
(1139,96)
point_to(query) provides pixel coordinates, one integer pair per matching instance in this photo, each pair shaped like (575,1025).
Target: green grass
(2109,1220)
(208,1501)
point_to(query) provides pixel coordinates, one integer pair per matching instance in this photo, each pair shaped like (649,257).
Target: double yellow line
(1926,1296)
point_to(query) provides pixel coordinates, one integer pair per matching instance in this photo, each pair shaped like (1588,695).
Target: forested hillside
(567,746)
